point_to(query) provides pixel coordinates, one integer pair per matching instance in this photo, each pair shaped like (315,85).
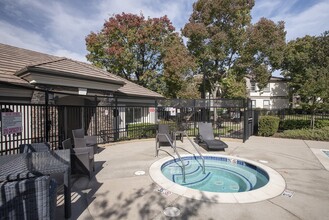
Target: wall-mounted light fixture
(82,91)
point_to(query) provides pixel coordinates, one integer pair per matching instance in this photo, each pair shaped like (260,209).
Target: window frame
(266,106)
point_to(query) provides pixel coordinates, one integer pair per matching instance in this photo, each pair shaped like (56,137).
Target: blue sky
(59,27)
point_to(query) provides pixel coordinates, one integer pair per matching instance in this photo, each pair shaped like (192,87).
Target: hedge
(292,124)
(141,130)
(268,125)
(320,134)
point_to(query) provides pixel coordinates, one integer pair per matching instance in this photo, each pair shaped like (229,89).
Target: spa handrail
(202,158)
(174,147)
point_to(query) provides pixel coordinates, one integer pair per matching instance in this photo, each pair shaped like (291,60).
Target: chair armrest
(84,150)
(91,140)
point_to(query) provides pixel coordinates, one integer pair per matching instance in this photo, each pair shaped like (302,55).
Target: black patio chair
(206,136)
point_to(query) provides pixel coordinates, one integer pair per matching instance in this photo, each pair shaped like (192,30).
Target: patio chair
(32,198)
(163,137)
(91,141)
(34,147)
(82,157)
(206,136)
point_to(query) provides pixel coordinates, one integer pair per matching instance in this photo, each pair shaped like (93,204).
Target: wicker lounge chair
(32,198)
(206,136)
(79,135)
(82,157)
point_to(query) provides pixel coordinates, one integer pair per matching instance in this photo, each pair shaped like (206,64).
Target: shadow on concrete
(80,191)
(149,203)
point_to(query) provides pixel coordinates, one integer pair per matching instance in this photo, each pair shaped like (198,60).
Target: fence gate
(249,120)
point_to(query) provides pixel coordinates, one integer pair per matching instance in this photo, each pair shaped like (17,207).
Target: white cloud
(20,37)
(311,21)
(70,54)
(12,35)
(60,28)
(64,27)
(177,11)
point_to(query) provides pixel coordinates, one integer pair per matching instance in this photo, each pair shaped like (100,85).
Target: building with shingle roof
(31,69)
(79,95)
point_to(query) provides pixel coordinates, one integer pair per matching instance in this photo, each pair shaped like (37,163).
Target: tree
(141,50)
(227,46)
(190,88)
(176,61)
(306,65)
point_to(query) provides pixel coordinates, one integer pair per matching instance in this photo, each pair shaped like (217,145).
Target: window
(266,104)
(253,86)
(133,114)
(253,103)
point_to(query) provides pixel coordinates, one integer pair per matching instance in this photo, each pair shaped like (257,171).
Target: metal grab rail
(202,158)
(174,147)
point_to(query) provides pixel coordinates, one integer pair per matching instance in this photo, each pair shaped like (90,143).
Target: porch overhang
(42,76)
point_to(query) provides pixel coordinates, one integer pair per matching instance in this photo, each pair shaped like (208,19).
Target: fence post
(46,115)
(156,112)
(96,118)
(245,123)
(256,120)
(116,114)
(194,115)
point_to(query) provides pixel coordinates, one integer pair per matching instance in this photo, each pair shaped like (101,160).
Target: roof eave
(28,69)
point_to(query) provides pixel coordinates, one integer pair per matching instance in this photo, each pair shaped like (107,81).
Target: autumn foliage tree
(227,46)
(146,51)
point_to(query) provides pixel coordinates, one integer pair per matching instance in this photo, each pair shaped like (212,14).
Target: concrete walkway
(115,192)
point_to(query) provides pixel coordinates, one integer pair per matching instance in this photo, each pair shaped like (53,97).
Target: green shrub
(172,124)
(292,124)
(321,134)
(321,123)
(141,130)
(268,125)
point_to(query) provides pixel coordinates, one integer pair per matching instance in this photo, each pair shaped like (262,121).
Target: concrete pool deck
(115,192)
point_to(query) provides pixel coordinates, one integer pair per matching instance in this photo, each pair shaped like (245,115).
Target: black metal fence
(122,119)
(226,115)
(295,114)
(291,118)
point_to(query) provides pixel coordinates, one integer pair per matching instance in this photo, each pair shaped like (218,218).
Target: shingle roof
(136,90)
(14,61)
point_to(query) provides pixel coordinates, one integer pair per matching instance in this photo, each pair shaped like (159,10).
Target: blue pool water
(221,175)
(326,152)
